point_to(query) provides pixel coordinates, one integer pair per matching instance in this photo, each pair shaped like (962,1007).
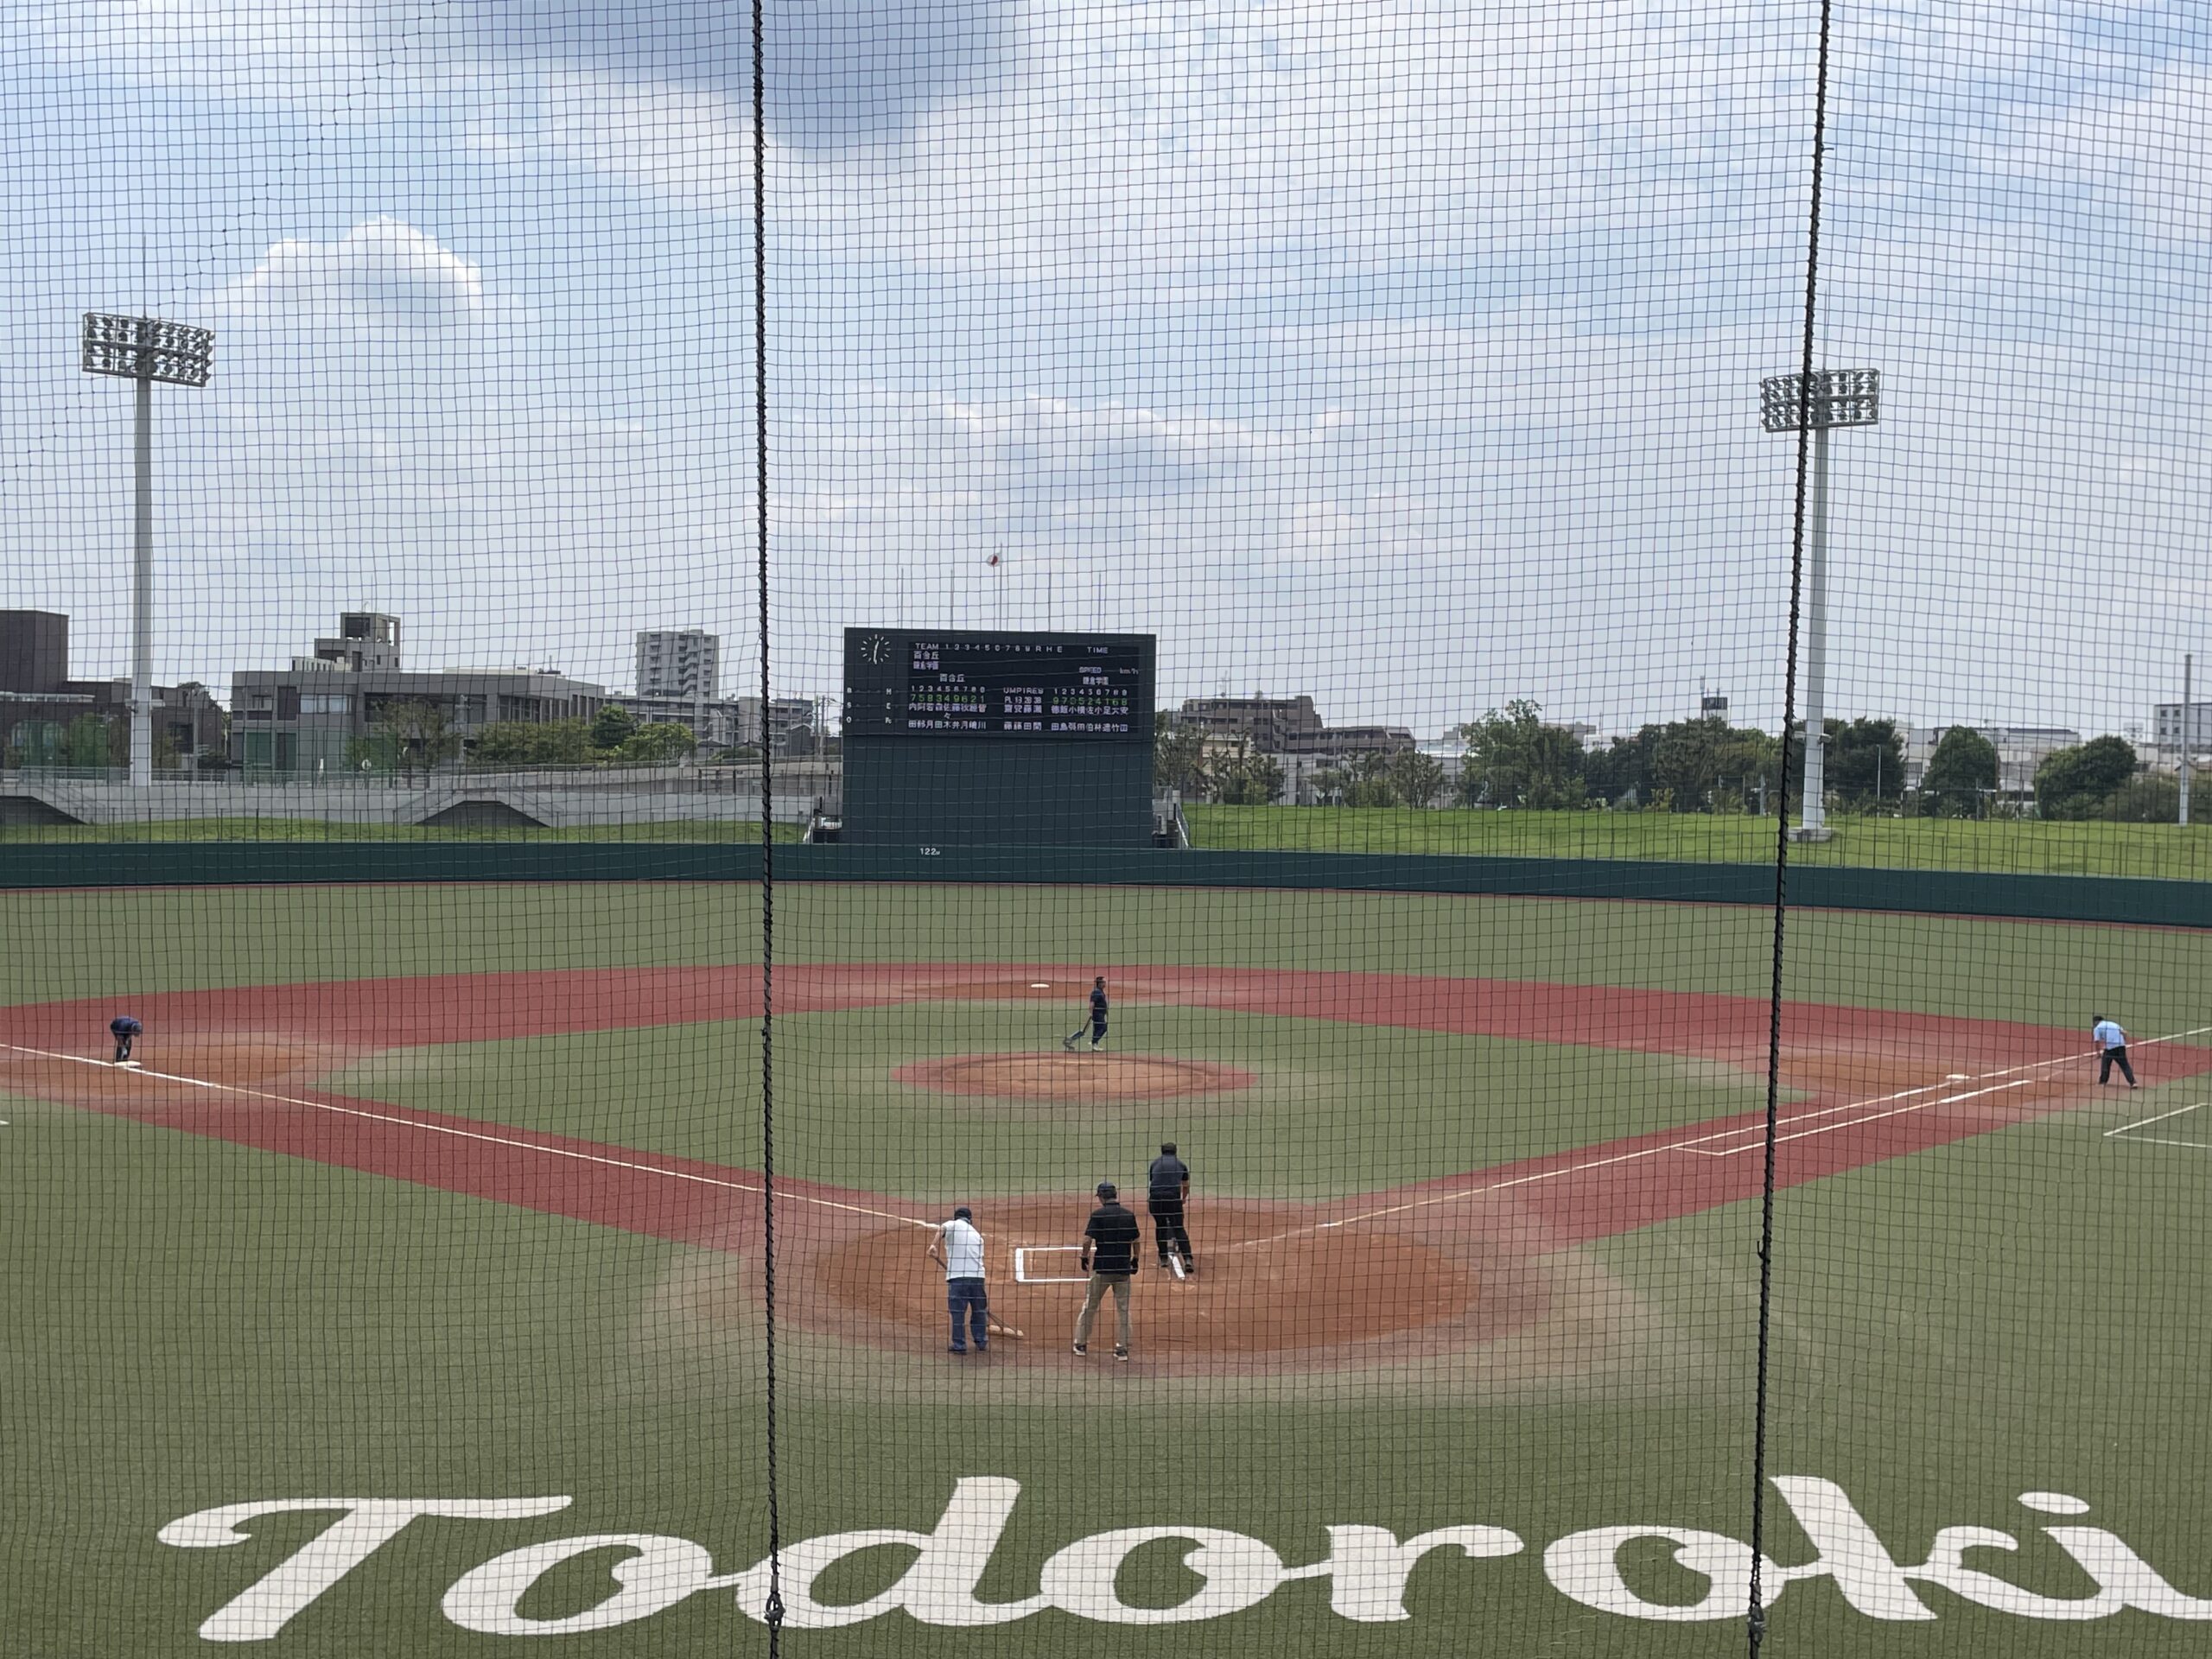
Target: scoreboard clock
(968,736)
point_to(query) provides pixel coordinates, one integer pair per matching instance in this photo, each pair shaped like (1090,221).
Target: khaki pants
(1100,1282)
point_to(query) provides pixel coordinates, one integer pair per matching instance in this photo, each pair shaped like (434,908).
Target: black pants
(2117,1056)
(1097,1033)
(1167,1229)
(122,1049)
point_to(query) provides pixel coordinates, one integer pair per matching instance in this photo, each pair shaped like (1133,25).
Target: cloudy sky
(1404,352)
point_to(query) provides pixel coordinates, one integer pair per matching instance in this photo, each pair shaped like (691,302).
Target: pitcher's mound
(1079,1076)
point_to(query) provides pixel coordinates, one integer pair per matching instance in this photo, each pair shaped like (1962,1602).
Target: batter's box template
(1049,1264)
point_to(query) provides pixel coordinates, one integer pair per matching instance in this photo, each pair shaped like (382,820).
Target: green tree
(1865,762)
(1245,777)
(657,745)
(1622,770)
(1513,758)
(2074,783)
(1962,769)
(612,726)
(420,734)
(1365,780)
(521,743)
(1417,778)
(2151,797)
(371,754)
(92,741)
(1178,756)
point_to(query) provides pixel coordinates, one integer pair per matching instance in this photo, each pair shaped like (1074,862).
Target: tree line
(1514,758)
(418,736)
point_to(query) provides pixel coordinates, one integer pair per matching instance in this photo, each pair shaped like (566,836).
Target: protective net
(1356,827)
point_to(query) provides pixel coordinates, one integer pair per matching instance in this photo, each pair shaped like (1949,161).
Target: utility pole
(2187,730)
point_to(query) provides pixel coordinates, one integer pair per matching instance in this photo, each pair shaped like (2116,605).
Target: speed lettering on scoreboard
(957,683)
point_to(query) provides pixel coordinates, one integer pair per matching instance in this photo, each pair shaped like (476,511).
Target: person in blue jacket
(125,1031)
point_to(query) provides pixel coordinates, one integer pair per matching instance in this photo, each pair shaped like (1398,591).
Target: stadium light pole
(1835,397)
(145,350)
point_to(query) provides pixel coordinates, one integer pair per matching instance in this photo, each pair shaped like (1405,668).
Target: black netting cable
(773,1612)
(1755,1618)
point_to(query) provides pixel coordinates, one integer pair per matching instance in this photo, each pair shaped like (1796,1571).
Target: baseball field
(410,1295)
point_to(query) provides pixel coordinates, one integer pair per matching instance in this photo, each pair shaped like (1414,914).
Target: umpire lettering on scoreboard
(1167,1191)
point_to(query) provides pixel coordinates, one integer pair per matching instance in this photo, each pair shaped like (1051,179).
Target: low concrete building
(1343,742)
(39,703)
(718,722)
(2175,727)
(304,719)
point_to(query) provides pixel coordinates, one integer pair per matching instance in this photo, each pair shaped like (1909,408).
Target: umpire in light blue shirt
(2112,1050)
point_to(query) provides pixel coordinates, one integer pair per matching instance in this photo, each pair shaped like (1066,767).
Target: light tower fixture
(1790,402)
(145,350)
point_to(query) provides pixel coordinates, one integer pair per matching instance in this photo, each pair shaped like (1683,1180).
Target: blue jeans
(967,1295)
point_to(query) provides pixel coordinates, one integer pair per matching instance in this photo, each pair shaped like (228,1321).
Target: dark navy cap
(1107,1189)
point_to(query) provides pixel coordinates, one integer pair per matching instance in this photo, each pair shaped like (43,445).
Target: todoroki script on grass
(1366,1567)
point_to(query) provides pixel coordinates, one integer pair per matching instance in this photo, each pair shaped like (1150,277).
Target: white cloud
(380,272)
(1403,352)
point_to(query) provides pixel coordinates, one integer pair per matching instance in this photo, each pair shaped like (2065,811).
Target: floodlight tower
(1787,403)
(145,349)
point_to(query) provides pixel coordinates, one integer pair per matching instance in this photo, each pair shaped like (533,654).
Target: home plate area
(1269,1286)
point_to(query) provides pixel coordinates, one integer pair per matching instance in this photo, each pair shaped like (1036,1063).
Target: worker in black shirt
(1167,1190)
(1097,1018)
(1110,1256)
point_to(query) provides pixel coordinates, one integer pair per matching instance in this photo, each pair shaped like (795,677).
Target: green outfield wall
(2056,898)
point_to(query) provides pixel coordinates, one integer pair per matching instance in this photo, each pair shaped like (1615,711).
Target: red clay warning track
(1442,1261)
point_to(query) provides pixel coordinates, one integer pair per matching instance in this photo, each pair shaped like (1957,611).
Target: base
(1812,832)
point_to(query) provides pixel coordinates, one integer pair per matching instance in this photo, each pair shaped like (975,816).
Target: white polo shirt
(964,1249)
(2107,1033)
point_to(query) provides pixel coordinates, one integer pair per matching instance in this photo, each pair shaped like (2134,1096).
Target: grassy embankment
(2015,845)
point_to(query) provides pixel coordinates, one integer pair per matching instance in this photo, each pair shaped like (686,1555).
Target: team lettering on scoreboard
(1040,685)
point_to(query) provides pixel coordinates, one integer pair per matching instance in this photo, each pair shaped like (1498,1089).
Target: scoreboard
(965,737)
(961,685)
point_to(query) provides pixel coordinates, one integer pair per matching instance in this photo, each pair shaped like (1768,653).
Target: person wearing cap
(1110,1256)
(126,1031)
(1167,1190)
(959,1247)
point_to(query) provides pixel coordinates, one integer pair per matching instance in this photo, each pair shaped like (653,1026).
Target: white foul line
(2154,1139)
(473,1135)
(1759,1130)
(1686,1145)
